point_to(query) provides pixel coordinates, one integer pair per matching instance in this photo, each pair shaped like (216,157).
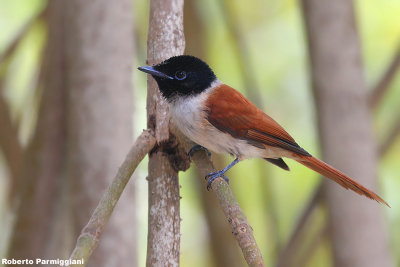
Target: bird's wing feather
(231,112)
(278,162)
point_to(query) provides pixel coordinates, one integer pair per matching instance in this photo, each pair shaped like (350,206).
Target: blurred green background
(270,36)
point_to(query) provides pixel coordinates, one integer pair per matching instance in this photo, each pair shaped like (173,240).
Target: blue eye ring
(180,75)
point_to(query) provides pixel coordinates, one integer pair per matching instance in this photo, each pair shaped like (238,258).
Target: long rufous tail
(339,177)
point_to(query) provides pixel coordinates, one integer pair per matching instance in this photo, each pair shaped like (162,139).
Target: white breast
(188,116)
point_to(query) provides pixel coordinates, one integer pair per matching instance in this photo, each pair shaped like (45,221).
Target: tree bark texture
(165,39)
(357,225)
(99,52)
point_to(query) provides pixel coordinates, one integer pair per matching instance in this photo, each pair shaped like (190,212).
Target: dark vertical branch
(295,241)
(317,239)
(40,187)
(242,53)
(165,39)
(345,129)
(383,84)
(9,144)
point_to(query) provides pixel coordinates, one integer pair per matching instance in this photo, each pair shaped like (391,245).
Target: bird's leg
(196,148)
(214,175)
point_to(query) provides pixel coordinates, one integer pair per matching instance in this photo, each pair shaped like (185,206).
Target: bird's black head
(181,76)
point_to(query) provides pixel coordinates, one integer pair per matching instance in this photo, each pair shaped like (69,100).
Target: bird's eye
(180,75)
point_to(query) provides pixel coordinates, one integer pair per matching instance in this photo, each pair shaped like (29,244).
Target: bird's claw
(196,148)
(214,175)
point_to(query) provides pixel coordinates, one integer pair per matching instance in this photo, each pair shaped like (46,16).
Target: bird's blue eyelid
(180,72)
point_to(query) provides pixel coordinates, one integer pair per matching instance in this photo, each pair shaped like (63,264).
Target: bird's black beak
(154,72)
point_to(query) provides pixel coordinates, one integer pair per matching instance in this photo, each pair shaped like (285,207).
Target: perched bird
(219,118)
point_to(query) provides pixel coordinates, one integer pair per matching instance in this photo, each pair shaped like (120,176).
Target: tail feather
(339,177)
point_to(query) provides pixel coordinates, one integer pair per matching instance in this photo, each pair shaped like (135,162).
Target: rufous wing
(231,112)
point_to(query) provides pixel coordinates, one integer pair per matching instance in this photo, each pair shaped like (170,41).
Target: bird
(220,119)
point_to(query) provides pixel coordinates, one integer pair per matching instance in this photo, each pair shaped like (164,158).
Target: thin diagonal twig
(384,83)
(90,235)
(241,229)
(14,44)
(391,137)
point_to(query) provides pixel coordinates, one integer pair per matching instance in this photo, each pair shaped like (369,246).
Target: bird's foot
(196,148)
(214,175)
